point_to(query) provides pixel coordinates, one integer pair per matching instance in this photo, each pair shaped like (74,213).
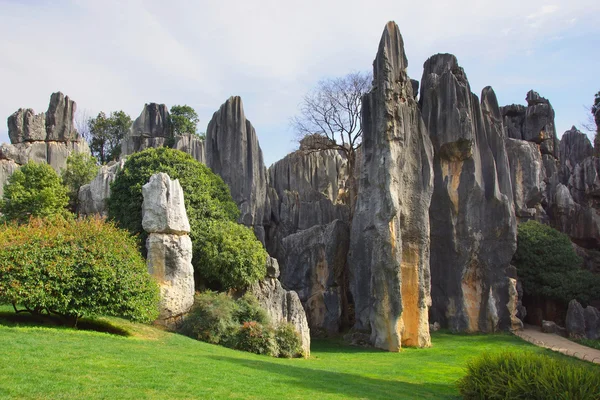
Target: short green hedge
(528,376)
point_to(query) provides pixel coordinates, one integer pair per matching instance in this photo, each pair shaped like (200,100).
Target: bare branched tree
(329,117)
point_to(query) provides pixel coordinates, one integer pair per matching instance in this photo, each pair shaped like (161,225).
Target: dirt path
(534,335)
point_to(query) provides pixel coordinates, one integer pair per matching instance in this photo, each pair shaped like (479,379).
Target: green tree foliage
(106,133)
(548,265)
(75,268)
(184,119)
(210,209)
(527,376)
(81,169)
(34,190)
(228,255)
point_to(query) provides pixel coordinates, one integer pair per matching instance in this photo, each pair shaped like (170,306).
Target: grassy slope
(46,362)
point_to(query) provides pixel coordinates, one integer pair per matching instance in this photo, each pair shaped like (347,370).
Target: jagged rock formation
(282,306)
(232,152)
(169,247)
(315,267)
(473,226)
(92,197)
(191,144)
(151,129)
(389,247)
(44,138)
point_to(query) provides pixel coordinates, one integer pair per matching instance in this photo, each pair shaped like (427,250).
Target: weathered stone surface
(574,148)
(592,322)
(93,196)
(315,267)
(57,154)
(548,327)
(473,225)
(389,249)
(191,144)
(151,129)
(513,118)
(7,168)
(59,119)
(283,306)
(163,207)
(306,189)
(26,126)
(170,262)
(272,268)
(12,152)
(233,153)
(575,321)
(527,175)
(513,305)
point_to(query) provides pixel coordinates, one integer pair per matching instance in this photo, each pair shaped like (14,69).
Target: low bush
(75,268)
(216,317)
(256,338)
(288,341)
(527,376)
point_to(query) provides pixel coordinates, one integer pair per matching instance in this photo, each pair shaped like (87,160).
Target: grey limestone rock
(575,147)
(575,321)
(315,267)
(283,306)
(169,247)
(7,168)
(26,126)
(191,144)
(389,248)
(233,153)
(272,268)
(163,208)
(548,327)
(93,196)
(592,322)
(151,129)
(59,119)
(473,224)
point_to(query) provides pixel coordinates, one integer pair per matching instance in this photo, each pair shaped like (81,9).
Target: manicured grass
(48,362)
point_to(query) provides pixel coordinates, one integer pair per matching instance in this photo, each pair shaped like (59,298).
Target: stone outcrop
(282,306)
(169,247)
(389,247)
(191,144)
(151,129)
(233,153)
(473,225)
(48,137)
(575,321)
(315,267)
(93,196)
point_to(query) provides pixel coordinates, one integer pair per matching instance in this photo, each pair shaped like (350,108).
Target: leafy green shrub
(228,255)
(74,268)
(225,253)
(548,265)
(216,317)
(288,341)
(527,376)
(81,169)
(256,338)
(34,190)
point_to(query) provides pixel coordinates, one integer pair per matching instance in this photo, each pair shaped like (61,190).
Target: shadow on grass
(50,321)
(347,385)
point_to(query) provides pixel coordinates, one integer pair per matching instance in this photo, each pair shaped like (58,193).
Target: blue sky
(110,55)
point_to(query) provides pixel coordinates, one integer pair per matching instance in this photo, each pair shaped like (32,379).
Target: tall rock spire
(389,257)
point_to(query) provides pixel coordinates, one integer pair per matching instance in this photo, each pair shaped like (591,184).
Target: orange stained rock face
(472,288)
(411,314)
(451,170)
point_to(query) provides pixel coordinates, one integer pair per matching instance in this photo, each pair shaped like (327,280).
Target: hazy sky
(117,55)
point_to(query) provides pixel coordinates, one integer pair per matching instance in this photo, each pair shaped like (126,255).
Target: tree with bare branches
(329,117)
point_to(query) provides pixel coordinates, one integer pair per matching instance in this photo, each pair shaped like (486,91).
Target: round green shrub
(228,255)
(75,268)
(34,190)
(548,265)
(288,341)
(528,376)
(225,253)
(256,338)
(216,317)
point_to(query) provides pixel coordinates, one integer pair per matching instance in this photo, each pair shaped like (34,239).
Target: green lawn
(49,362)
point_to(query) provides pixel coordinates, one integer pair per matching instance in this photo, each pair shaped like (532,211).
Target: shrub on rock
(256,338)
(548,265)
(75,268)
(34,190)
(288,341)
